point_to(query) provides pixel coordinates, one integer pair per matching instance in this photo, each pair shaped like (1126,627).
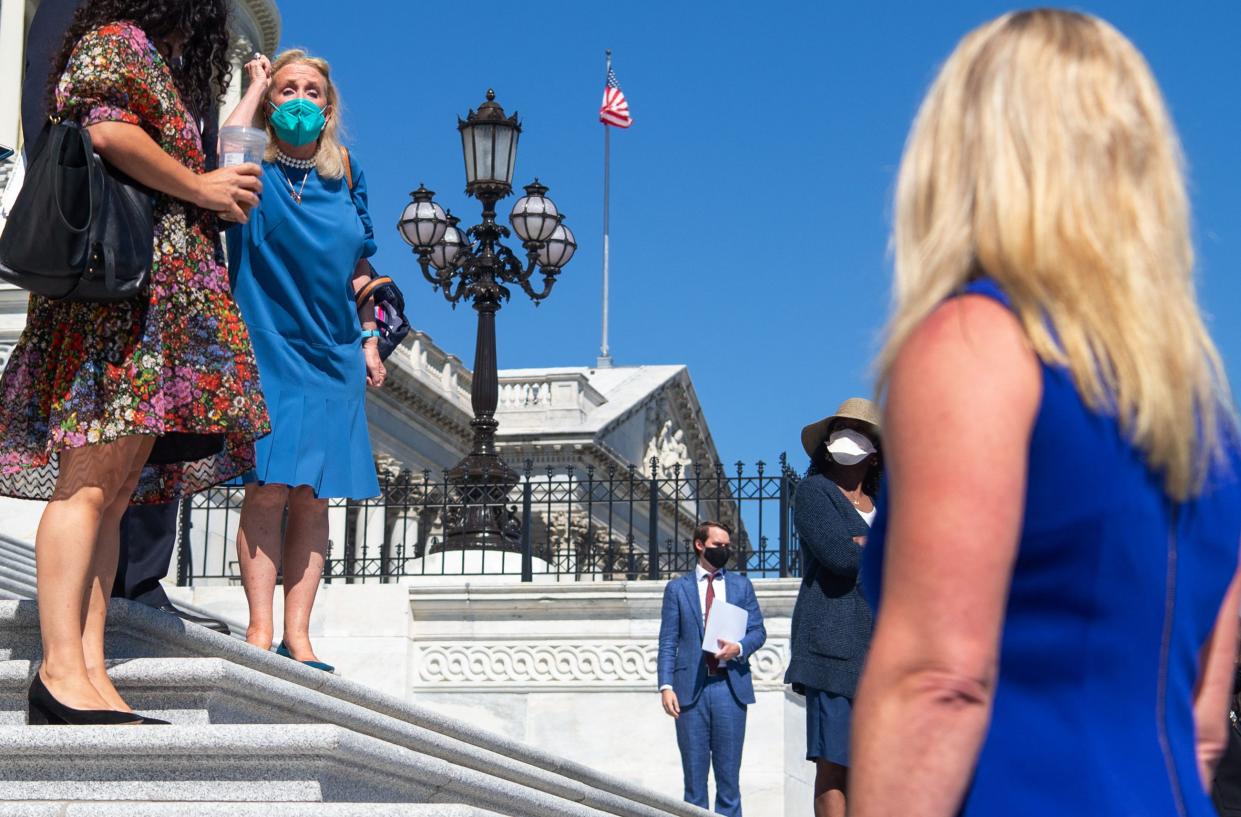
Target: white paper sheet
(727,621)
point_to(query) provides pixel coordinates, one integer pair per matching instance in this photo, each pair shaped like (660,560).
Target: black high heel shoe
(45,709)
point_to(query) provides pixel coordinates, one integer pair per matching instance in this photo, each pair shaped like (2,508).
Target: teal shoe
(283,650)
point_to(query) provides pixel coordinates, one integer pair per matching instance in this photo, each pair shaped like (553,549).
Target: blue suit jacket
(682,662)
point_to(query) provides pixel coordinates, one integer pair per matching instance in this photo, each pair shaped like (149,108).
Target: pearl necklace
(299,164)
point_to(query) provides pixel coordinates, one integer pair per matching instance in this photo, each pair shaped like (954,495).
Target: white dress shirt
(721,594)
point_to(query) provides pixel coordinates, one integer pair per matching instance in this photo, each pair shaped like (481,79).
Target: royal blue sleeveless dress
(1115,591)
(291,267)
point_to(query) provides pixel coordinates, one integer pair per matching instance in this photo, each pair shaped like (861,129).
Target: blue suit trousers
(710,734)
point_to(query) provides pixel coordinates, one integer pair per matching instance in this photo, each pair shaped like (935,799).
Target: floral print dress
(174,362)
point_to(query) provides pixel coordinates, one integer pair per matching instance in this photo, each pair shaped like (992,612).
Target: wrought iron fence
(556,523)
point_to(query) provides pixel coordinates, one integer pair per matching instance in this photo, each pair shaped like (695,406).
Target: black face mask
(716,557)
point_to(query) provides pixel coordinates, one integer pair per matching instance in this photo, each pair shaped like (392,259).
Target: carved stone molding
(265,17)
(562,663)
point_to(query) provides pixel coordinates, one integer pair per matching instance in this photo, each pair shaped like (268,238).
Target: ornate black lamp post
(474,264)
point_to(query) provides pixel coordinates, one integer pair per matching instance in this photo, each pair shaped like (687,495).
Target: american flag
(615,110)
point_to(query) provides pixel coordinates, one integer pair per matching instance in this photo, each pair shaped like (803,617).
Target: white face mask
(849,447)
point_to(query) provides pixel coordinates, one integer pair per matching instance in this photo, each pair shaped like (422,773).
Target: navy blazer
(682,662)
(832,621)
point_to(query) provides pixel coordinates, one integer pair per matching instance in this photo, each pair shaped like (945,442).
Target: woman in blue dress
(295,266)
(1054,560)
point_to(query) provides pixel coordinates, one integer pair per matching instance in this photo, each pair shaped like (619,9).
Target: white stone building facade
(567,666)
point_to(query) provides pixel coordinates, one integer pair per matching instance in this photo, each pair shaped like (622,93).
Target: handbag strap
(364,294)
(344,155)
(94,172)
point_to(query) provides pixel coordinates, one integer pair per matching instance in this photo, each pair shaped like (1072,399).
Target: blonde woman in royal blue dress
(294,266)
(1054,562)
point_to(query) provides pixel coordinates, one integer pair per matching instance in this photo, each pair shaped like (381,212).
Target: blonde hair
(1043,157)
(328,160)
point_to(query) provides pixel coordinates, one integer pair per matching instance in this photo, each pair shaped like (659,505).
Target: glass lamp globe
(558,249)
(444,253)
(534,216)
(423,222)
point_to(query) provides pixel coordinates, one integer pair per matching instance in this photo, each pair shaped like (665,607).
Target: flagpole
(605,359)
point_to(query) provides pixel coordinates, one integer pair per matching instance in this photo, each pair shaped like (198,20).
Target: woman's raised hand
(259,71)
(231,191)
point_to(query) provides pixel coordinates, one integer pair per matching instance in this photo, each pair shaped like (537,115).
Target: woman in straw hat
(832,511)
(1057,544)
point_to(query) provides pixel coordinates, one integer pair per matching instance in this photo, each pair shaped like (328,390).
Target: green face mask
(298,121)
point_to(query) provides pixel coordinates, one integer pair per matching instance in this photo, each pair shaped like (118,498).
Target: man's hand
(860,541)
(728,651)
(671,705)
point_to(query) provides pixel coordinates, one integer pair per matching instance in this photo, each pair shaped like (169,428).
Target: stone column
(12,65)
(238,55)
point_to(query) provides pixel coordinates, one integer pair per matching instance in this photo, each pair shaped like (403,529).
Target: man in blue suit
(707,693)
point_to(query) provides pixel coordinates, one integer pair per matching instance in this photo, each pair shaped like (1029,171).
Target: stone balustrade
(429,363)
(548,398)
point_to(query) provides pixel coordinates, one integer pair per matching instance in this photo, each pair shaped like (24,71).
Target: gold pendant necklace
(293,191)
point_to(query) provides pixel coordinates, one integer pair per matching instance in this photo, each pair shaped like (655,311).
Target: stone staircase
(257,734)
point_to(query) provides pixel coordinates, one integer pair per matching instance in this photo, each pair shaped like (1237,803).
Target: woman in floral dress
(146,399)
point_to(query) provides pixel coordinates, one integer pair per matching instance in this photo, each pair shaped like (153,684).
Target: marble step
(16,552)
(16,588)
(201,691)
(253,763)
(17,573)
(52,808)
(18,570)
(246,684)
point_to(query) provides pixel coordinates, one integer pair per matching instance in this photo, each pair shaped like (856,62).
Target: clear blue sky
(751,198)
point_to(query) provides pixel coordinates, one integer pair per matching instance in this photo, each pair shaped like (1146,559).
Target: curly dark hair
(202,25)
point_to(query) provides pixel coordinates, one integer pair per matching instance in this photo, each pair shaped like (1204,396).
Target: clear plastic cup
(240,145)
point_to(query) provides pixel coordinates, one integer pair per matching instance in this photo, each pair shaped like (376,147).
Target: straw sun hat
(855,408)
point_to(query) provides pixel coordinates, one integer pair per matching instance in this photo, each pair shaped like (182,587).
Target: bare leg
(305,547)
(829,789)
(88,482)
(258,553)
(107,549)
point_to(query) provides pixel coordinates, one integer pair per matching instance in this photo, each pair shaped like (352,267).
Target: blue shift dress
(291,267)
(1114,593)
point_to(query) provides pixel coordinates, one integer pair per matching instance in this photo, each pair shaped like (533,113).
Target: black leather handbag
(80,230)
(390,317)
